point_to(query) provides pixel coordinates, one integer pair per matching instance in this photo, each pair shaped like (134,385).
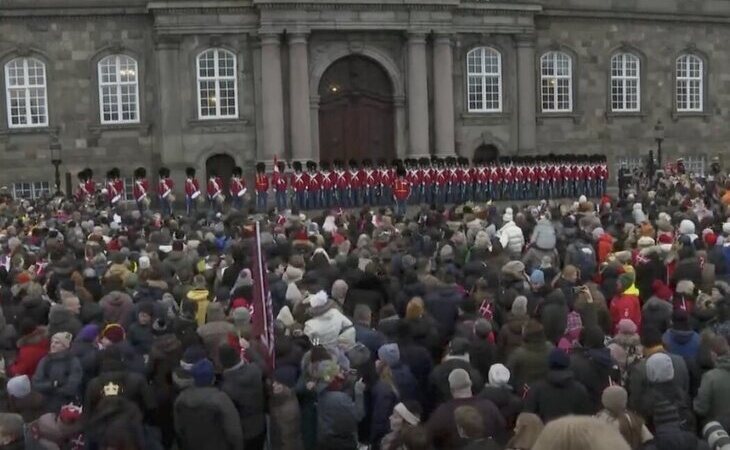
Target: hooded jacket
(117,307)
(711,400)
(243,384)
(594,369)
(206,418)
(685,343)
(558,395)
(327,324)
(58,378)
(285,432)
(511,237)
(626,306)
(61,319)
(31,349)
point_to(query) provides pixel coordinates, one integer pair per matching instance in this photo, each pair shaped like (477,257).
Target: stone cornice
(593,14)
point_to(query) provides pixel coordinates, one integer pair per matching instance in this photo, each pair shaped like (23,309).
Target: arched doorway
(486,153)
(356,111)
(222,164)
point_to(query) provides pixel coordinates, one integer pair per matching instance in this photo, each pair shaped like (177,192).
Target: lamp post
(56,161)
(659,138)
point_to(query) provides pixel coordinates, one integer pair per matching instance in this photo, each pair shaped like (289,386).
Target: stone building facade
(311,79)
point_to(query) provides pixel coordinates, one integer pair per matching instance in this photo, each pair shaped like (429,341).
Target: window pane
(217,70)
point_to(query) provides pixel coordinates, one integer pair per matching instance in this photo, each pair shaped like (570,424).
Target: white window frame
(217,80)
(25,89)
(624,80)
(35,189)
(116,87)
(128,194)
(484,77)
(549,74)
(688,79)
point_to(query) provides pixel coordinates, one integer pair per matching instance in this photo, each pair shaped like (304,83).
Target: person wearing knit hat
(645,242)
(203,373)
(389,354)
(112,334)
(519,306)
(646,230)
(537,279)
(498,375)
(18,387)
(60,341)
(579,433)
(659,368)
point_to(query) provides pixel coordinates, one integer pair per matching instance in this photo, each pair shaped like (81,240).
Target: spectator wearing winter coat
(541,247)
(442,423)
(553,314)
(631,426)
(164,358)
(395,383)
(681,339)
(204,416)
(442,303)
(22,400)
(581,254)
(327,323)
(117,307)
(710,403)
(657,310)
(526,431)
(33,345)
(482,351)
(661,393)
(86,349)
(625,347)
(369,291)
(364,334)
(651,342)
(510,235)
(59,374)
(510,335)
(406,415)
(529,362)
(243,383)
(457,357)
(592,365)
(469,424)
(501,393)
(626,305)
(285,426)
(139,333)
(338,413)
(559,394)
(579,433)
(200,295)
(215,332)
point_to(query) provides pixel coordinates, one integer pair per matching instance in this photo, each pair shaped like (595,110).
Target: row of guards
(313,186)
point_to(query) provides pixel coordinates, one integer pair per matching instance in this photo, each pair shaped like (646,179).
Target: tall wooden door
(222,164)
(356,111)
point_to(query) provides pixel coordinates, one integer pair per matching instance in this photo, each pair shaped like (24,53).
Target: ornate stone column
(299,101)
(272,96)
(417,95)
(526,129)
(170,137)
(443,94)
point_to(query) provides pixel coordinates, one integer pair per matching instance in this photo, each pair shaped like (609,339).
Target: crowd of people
(595,323)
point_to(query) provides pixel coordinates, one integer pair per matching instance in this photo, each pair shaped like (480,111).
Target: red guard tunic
(341,180)
(165,187)
(401,189)
(238,187)
(141,187)
(112,193)
(314,182)
(279,181)
(354,177)
(328,180)
(192,188)
(299,181)
(215,187)
(386,178)
(262,182)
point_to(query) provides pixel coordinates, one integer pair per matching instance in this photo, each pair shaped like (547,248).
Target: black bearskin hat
(164,172)
(140,172)
(311,165)
(353,164)
(237,171)
(190,172)
(400,171)
(297,165)
(260,167)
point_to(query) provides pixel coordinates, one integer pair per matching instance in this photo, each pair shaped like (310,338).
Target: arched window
(25,89)
(556,82)
(484,80)
(625,84)
(690,77)
(217,84)
(118,89)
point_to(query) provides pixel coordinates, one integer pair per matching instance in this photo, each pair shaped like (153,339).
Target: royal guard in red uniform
(461,179)
(237,187)
(385,182)
(192,191)
(441,180)
(141,187)
(484,175)
(422,190)
(83,194)
(602,175)
(214,191)
(327,185)
(165,191)
(281,185)
(342,184)
(262,188)
(314,185)
(113,195)
(355,183)
(299,181)
(401,191)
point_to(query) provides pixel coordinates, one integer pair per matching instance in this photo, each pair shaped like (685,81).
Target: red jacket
(215,187)
(192,187)
(626,306)
(140,189)
(31,349)
(262,182)
(238,186)
(278,179)
(165,187)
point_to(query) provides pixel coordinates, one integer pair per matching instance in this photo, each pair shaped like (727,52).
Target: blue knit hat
(537,278)
(203,373)
(558,359)
(192,354)
(389,354)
